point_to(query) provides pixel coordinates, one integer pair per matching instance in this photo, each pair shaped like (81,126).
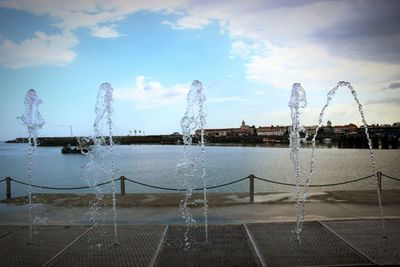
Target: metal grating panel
(5,230)
(47,242)
(137,246)
(228,246)
(279,247)
(395,220)
(366,236)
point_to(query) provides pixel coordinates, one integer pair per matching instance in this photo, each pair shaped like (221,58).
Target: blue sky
(247,54)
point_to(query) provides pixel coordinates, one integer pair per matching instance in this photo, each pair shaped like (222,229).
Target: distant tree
(140,132)
(135,132)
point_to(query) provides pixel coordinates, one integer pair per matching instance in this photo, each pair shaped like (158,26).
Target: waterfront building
(272,130)
(348,135)
(382,130)
(311,130)
(345,129)
(243,130)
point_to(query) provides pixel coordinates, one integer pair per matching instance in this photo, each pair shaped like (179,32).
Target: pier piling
(8,187)
(122,183)
(379,176)
(251,189)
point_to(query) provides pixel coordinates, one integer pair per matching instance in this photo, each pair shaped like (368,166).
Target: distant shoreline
(156,139)
(356,142)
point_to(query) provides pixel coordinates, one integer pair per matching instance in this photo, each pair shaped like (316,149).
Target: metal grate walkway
(137,246)
(6,230)
(47,242)
(318,247)
(228,245)
(367,237)
(340,243)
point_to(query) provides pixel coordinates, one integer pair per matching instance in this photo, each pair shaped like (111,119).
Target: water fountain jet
(297,100)
(33,122)
(330,95)
(193,119)
(103,145)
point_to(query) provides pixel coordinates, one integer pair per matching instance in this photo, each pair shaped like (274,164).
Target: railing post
(251,189)
(379,178)
(8,187)
(122,183)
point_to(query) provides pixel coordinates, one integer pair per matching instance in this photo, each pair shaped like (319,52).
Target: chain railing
(316,185)
(251,178)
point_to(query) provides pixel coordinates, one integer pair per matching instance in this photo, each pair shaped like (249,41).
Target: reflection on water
(155,164)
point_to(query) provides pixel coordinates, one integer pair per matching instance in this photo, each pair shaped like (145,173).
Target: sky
(247,54)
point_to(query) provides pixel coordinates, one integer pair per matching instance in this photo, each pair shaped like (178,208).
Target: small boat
(68,149)
(327,141)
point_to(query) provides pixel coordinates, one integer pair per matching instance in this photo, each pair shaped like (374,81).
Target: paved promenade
(342,229)
(224,208)
(323,243)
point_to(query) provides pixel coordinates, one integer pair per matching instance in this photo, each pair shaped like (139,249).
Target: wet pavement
(224,208)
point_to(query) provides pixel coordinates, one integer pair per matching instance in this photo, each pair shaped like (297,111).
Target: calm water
(155,164)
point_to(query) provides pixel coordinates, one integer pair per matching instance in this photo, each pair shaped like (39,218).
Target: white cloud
(188,22)
(341,110)
(281,66)
(282,117)
(105,32)
(56,49)
(306,39)
(152,94)
(240,49)
(394,85)
(74,14)
(42,49)
(251,24)
(267,20)
(339,113)
(383,113)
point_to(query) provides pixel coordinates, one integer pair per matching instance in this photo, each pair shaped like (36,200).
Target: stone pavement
(224,208)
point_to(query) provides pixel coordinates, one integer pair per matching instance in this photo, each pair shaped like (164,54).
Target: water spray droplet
(297,100)
(33,121)
(101,152)
(330,95)
(194,119)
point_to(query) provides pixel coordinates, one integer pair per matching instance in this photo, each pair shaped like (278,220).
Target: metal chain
(198,189)
(62,188)
(184,189)
(390,177)
(316,185)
